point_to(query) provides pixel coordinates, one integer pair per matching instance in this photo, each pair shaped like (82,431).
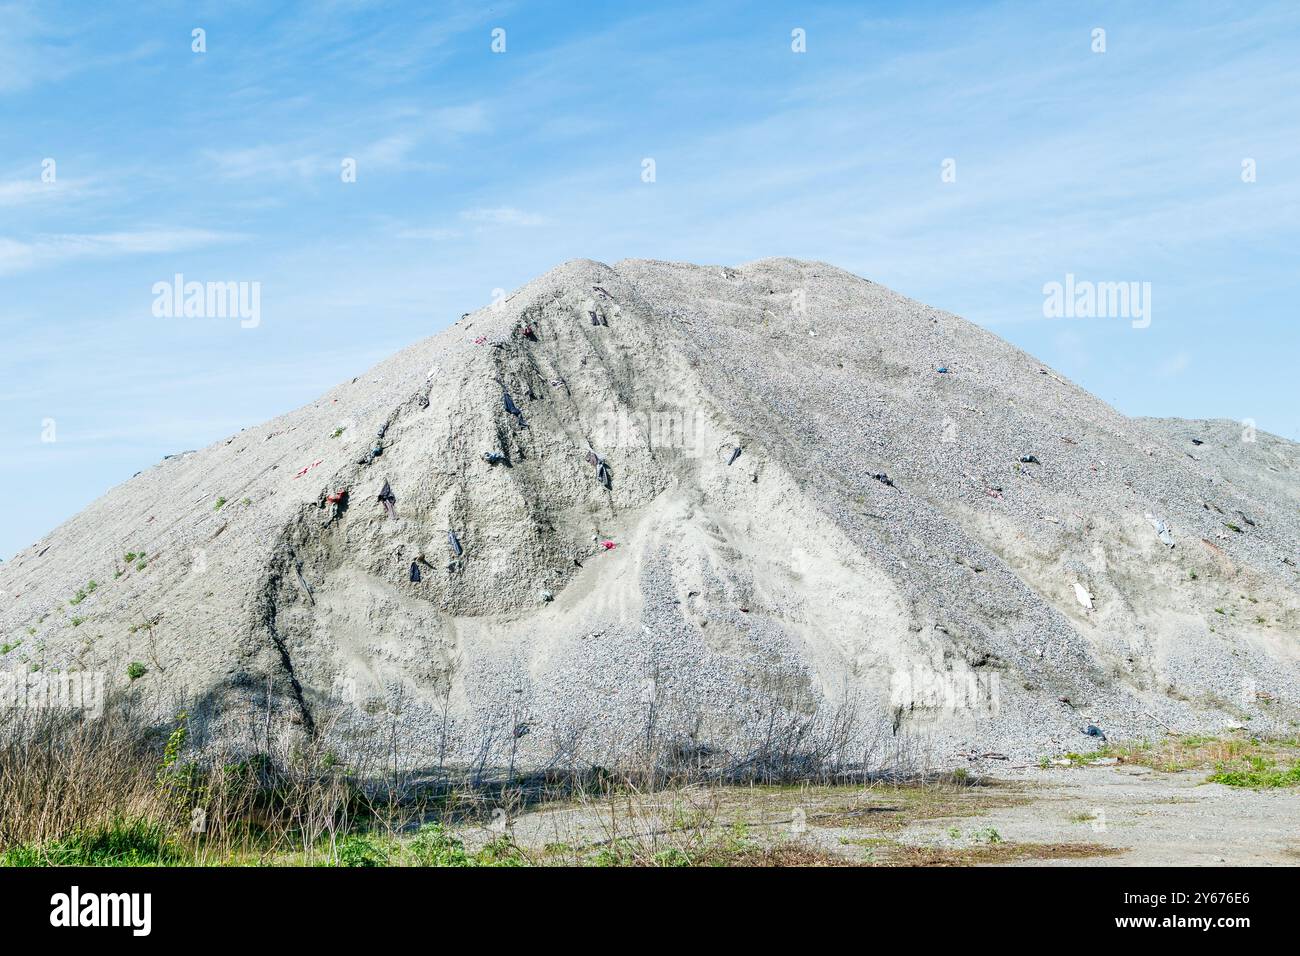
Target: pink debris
(308,468)
(608,545)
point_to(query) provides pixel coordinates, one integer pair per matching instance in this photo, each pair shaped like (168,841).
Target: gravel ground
(1002,590)
(1151,818)
(1159,819)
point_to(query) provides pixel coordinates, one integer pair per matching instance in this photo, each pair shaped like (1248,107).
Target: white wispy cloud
(21,192)
(1174,365)
(432,234)
(50,249)
(502,216)
(35,50)
(268,163)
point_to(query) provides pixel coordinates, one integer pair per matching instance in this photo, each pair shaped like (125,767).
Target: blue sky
(478,170)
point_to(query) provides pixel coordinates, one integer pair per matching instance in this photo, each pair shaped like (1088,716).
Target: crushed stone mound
(689,501)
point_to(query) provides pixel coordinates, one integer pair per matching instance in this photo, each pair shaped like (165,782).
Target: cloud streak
(55,249)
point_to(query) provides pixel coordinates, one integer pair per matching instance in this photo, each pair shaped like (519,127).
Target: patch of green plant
(359,850)
(77,621)
(434,845)
(135,670)
(1261,774)
(6,647)
(78,597)
(500,852)
(119,843)
(619,852)
(220,503)
(130,557)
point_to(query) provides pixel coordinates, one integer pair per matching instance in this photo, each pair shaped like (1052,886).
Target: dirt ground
(1118,815)
(1157,819)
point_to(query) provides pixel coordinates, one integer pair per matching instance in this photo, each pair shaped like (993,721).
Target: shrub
(434,846)
(135,670)
(359,850)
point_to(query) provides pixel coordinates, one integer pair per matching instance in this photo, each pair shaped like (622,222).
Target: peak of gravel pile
(665,498)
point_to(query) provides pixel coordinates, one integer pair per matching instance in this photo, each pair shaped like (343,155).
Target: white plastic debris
(1162,529)
(1082,594)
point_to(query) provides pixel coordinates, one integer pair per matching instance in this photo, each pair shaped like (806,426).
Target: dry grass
(59,775)
(122,788)
(1237,760)
(990,854)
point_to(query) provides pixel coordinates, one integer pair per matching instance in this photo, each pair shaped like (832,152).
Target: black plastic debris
(512,408)
(602,470)
(735,453)
(1030,460)
(415,572)
(455,543)
(1197,441)
(388,499)
(493,457)
(1095,731)
(883,478)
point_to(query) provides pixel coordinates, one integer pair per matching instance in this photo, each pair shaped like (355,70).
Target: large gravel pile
(920,519)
